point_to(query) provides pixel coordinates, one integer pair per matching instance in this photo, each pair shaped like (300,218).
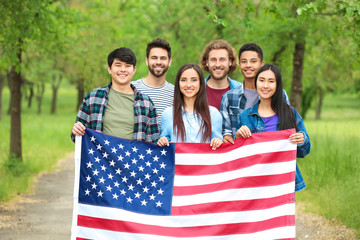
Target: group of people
(215,109)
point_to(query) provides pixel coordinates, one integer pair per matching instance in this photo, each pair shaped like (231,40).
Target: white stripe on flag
(213,158)
(257,170)
(187,220)
(234,195)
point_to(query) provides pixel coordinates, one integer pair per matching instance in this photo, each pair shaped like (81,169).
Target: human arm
(228,138)
(285,97)
(243,132)
(216,127)
(215,143)
(152,129)
(226,122)
(163,141)
(304,146)
(78,129)
(82,120)
(166,126)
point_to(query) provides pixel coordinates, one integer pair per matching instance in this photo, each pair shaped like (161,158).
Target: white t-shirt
(161,96)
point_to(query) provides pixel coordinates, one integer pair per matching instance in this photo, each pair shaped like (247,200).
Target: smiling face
(121,72)
(189,83)
(158,61)
(250,63)
(266,84)
(219,64)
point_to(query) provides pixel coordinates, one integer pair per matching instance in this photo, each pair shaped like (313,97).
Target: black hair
(286,115)
(252,47)
(123,54)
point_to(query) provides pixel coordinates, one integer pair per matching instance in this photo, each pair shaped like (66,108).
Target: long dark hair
(286,115)
(201,106)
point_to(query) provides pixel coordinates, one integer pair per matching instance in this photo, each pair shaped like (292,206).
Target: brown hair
(219,44)
(201,106)
(158,43)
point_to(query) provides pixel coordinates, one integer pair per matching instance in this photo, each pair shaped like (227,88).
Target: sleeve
(302,149)
(152,134)
(286,98)
(83,115)
(216,123)
(239,124)
(167,124)
(224,111)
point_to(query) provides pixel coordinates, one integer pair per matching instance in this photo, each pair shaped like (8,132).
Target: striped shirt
(161,96)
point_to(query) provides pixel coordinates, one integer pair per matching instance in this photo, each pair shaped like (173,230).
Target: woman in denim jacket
(271,113)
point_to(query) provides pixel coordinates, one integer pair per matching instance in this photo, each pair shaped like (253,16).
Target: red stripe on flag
(233,206)
(195,231)
(264,158)
(238,183)
(226,147)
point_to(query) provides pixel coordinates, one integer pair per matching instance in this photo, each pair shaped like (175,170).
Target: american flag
(126,189)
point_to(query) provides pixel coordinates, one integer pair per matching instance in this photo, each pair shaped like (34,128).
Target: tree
(23,23)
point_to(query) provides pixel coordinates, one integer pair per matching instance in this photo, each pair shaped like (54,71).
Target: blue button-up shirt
(192,125)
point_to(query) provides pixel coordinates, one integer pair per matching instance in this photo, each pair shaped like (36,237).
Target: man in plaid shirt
(235,101)
(129,113)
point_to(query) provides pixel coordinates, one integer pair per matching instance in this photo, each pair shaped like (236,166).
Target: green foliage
(332,169)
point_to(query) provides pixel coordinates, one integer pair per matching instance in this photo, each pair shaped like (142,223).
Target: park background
(52,52)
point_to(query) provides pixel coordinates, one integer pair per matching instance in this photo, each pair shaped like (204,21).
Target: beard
(151,69)
(219,77)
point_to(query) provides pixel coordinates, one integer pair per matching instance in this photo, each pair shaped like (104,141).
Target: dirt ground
(47,213)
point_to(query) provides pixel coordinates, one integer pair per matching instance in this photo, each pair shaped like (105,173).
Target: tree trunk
(54,98)
(296,86)
(319,104)
(2,81)
(8,75)
(55,87)
(15,112)
(81,92)
(31,86)
(40,93)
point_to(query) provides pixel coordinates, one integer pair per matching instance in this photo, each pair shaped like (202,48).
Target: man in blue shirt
(219,59)
(235,101)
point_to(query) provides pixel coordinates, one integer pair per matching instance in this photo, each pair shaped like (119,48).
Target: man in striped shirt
(158,60)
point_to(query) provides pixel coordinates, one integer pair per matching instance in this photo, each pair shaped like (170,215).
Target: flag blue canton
(127,174)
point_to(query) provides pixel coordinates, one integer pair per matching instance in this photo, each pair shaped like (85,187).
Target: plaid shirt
(92,110)
(232,105)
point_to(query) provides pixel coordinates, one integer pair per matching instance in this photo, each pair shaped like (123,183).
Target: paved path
(47,214)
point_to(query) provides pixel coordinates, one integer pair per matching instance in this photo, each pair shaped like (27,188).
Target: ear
(170,61)
(147,61)
(109,69)
(262,63)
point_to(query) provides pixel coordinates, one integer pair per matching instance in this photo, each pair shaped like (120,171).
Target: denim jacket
(251,118)
(233,103)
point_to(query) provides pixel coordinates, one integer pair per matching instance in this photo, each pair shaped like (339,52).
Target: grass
(45,140)
(332,169)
